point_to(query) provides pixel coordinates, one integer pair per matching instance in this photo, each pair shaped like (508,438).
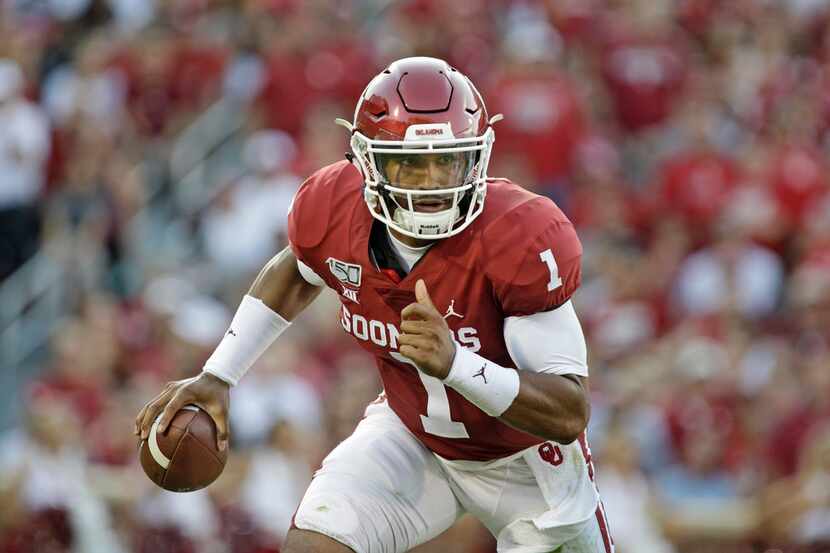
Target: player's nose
(428,178)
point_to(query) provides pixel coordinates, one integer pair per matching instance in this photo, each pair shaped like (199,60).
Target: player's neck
(409,240)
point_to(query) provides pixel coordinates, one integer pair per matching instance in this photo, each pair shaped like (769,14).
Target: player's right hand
(207,391)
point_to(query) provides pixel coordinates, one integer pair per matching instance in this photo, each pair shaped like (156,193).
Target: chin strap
(433,223)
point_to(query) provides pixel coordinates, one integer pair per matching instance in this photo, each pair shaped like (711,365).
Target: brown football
(185,458)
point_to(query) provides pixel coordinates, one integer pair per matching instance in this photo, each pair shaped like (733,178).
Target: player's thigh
(507,500)
(529,504)
(379,491)
(306,541)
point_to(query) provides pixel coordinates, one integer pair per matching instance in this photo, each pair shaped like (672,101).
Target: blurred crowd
(688,141)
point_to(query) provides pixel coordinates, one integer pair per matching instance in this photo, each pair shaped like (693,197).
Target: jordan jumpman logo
(451,311)
(481,373)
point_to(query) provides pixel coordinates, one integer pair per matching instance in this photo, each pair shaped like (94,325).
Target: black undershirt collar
(382,251)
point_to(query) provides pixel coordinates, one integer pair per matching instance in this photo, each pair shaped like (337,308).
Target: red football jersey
(520,256)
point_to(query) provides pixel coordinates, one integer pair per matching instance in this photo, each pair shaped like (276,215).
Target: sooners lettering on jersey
(520,256)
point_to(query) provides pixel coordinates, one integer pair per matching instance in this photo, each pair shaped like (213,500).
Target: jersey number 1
(437,421)
(547,258)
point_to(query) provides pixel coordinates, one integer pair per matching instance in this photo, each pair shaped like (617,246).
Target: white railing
(30,300)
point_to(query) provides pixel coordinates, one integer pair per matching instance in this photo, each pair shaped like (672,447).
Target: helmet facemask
(425,188)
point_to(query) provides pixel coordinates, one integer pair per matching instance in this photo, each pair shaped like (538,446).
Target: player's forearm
(278,294)
(551,406)
(282,288)
(548,405)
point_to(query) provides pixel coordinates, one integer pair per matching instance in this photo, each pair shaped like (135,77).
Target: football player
(459,284)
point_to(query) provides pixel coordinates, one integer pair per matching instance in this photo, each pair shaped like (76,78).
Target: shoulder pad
(532,257)
(312,208)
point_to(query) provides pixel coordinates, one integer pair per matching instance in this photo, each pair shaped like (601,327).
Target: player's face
(439,171)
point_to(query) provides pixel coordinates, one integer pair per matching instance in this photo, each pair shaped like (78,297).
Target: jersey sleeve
(533,259)
(548,342)
(310,214)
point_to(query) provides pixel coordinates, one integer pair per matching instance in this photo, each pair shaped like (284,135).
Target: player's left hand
(425,337)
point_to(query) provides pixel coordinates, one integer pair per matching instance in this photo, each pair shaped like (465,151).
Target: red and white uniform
(383,491)
(490,272)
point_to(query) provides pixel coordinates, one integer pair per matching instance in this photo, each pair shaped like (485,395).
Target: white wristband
(488,385)
(254,327)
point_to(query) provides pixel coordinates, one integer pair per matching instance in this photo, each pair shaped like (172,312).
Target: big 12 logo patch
(349,276)
(347,273)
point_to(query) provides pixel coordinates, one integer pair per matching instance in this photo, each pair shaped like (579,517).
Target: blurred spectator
(247,225)
(186,518)
(87,89)
(543,116)
(798,508)
(733,275)
(643,63)
(695,185)
(797,179)
(197,326)
(279,390)
(49,479)
(628,500)
(24,146)
(277,477)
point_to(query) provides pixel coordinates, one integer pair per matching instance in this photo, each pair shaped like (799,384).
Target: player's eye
(408,161)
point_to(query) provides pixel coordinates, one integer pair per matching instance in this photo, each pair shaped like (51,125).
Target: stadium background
(149,150)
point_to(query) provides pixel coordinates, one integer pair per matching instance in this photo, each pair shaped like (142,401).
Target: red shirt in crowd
(796,175)
(543,120)
(644,75)
(696,185)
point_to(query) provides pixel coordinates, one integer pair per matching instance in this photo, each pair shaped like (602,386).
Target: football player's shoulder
(330,190)
(514,217)
(531,252)
(507,202)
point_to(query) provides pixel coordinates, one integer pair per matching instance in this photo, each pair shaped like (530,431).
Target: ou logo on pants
(551,454)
